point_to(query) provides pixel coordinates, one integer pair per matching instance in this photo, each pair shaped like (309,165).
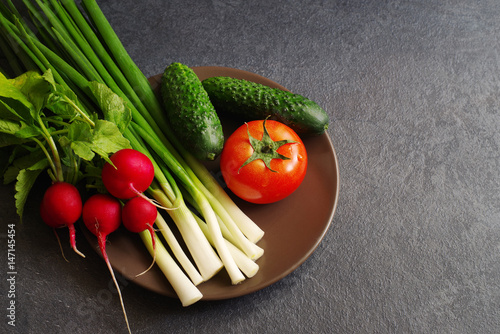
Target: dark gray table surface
(412,90)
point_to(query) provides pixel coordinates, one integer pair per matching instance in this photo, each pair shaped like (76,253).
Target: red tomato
(265,168)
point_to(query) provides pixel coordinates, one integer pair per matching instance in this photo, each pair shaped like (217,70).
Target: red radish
(102,216)
(131,173)
(62,206)
(138,215)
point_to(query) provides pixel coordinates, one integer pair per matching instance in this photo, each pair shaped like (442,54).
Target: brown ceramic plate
(293,227)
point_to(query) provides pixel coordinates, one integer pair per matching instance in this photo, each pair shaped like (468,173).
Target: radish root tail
(151,230)
(72,240)
(60,245)
(102,245)
(154,202)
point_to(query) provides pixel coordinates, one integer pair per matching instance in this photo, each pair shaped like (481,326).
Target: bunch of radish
(129,174)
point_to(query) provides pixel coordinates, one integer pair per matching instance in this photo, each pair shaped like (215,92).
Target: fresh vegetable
(138,215)
(263,161)
(61,207)
(253,101)
(191,115)
(129,174)
(102,216)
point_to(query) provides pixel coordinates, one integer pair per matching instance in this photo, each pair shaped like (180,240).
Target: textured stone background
(412,90)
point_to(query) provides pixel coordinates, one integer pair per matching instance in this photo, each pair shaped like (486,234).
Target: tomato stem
(265,149)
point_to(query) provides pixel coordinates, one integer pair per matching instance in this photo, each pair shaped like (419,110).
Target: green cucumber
(190,113)
(249,101)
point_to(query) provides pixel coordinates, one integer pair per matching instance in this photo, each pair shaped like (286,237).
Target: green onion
(216,232)
(147,95)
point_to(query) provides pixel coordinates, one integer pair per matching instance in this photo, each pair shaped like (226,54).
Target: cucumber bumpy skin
(250,101)
(191,115)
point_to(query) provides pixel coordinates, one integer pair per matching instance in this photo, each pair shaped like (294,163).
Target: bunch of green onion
(77,43)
